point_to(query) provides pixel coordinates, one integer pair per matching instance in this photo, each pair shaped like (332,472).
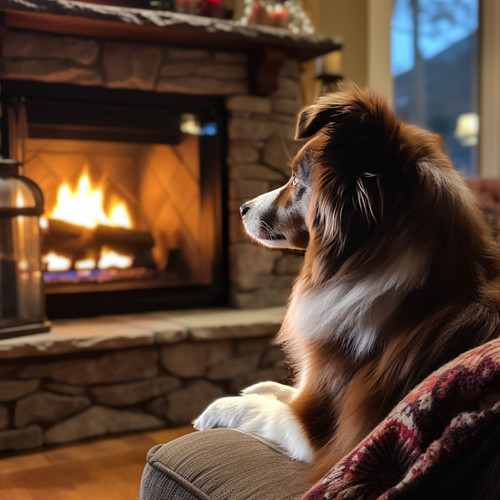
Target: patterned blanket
(451,411)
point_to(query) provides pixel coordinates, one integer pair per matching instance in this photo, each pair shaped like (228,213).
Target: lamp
(467,129)
(22,302)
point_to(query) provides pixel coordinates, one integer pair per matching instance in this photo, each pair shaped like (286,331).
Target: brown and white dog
(400,275)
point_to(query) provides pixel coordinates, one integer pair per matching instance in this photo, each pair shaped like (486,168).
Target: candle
(280,16)
(259,14)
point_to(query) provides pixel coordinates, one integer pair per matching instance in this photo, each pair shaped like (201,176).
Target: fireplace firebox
(134,189)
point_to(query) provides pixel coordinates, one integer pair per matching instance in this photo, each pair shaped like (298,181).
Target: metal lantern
(22,301)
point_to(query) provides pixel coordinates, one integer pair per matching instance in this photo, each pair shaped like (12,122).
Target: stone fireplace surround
(125,373)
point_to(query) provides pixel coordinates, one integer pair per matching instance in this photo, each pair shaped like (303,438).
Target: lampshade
(467,129)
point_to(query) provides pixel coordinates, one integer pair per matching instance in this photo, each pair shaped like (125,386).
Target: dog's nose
(244,209)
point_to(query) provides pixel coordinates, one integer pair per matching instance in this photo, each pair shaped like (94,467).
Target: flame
(19,200)
(119,216)
(85,264)
(109,259)
(84,206)
(56,262)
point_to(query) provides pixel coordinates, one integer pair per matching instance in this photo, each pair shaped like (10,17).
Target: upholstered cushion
(488,194)
(486,190)
(221,464)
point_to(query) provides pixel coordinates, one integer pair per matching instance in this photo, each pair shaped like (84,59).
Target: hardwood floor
(106,469)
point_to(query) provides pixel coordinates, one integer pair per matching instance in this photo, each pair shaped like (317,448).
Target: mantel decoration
(288,14)
(22,309)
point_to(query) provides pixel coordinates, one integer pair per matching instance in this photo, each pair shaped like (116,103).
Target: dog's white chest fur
(354,312)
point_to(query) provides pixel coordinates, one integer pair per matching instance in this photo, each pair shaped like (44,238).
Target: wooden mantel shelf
(266,47)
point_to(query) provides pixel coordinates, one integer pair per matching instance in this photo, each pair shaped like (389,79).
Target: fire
(85,264)
(19,200)
(84,206)
(56,262)
(109,258)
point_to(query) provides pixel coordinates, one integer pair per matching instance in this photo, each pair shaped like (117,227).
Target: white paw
(281,392)
(223,412)
(261,415)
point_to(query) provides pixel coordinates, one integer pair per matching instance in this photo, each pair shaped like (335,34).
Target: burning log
(127,241)
(62,229)
(78,242)
(122,238)
(68,239)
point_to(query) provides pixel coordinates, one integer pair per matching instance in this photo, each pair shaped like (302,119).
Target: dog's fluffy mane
(400,273)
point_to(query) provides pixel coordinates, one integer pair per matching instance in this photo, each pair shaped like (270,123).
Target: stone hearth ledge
(135,330)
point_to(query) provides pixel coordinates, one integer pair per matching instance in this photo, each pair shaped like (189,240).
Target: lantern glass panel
(20,274)
(22,305)
(15,193)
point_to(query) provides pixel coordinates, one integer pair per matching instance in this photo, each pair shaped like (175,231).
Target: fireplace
(133,187)
(165,88)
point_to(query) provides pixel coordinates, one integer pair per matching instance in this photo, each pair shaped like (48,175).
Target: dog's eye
(295,181)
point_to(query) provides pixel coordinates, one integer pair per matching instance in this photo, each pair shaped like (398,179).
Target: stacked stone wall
(59,399)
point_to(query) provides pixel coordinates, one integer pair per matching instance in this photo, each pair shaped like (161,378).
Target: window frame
(380,79)
(489,89)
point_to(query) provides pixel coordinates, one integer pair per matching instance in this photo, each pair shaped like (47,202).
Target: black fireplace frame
(61,97)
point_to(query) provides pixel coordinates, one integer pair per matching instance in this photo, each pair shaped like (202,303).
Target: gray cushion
(221,464)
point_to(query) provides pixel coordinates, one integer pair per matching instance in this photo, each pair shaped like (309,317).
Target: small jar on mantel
(22,301)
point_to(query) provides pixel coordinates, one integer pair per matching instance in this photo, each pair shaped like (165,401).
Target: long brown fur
(381,186)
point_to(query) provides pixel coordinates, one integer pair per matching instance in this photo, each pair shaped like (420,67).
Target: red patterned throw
(446,414)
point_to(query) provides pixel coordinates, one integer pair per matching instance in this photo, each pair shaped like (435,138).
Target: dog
(400,275)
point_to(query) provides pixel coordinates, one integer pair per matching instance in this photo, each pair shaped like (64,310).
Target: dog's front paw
(221,413)
(264,416)
(280,391)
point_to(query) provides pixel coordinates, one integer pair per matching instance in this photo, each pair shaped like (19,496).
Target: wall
(364,25)
(47,400)
(379,76)
(349,21)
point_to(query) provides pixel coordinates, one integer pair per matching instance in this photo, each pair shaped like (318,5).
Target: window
(435,66)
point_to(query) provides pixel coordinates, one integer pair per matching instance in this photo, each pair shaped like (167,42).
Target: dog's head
(357,170)
(278,219)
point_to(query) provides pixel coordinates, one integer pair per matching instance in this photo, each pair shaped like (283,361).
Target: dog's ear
(361,131)
(315,117)
(328,108)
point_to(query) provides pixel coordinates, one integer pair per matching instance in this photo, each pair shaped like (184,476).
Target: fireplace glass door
(133,193)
